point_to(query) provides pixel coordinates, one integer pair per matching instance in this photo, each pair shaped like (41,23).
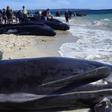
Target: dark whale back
(25,75)
(53,23)
(27,29)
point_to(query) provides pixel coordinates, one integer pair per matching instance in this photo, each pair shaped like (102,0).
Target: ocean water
(94,38)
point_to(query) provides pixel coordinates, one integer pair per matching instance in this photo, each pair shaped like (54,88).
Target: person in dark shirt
(66,16)
(45,14)
(58,14)
(4,16)
(9,15)
(1,17)
(19,16)
(70,14)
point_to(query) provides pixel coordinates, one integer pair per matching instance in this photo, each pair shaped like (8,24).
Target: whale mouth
(100,82)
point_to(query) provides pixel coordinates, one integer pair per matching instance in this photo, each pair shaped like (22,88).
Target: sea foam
(92,44)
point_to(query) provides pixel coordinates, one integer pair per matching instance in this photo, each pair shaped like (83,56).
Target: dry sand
(15,47)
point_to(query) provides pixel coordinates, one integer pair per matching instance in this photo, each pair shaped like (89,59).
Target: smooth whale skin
(25,75)
(37,84)
(57,25)
(27,29)
(53,23)
(79,80)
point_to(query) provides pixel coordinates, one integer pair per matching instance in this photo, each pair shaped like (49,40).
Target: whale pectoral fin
(81,79)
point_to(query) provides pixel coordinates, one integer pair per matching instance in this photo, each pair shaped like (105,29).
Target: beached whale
(52,83)
(27,29)
(53,23)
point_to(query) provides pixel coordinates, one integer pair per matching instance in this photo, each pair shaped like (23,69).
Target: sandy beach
(15,47)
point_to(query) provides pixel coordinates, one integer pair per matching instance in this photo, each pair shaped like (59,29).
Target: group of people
(68,14)
(44,15)
(7,16)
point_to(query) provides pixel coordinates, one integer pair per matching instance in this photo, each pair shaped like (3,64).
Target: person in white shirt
(24,12)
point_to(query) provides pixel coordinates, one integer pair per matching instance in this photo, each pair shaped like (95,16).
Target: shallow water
(94,38)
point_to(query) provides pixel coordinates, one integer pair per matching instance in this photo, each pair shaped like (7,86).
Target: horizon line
(75,8)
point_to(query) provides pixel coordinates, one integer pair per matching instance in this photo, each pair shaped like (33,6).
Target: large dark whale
(22,74)
(27,29)
(52,83)
(53,23)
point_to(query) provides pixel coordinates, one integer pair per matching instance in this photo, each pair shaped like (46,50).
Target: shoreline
(15,47)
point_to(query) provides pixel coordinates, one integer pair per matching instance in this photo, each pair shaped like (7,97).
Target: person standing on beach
(9,14)
(1,17)
(24,11)
(46,14)
(58,14)
(24,14)
(70,14)
(4,16)
(66,16)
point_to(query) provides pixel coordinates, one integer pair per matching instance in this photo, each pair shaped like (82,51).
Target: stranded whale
(52,83)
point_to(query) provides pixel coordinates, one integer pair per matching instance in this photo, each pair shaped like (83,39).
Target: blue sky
(37,4)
